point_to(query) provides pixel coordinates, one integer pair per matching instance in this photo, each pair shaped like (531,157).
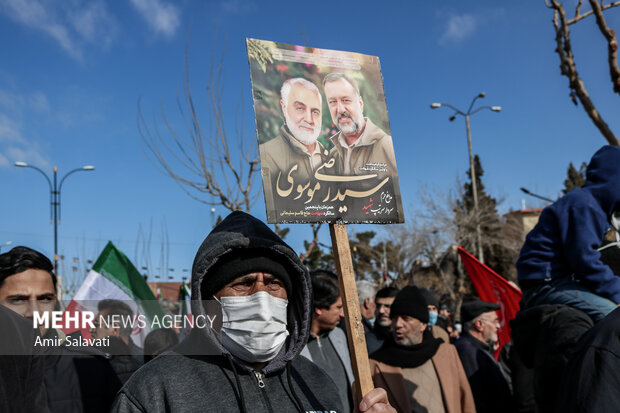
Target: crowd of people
(280,345)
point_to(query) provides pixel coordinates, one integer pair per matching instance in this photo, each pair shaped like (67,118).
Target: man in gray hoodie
(248,359)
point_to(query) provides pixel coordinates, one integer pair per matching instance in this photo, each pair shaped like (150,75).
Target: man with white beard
(361,147)
(296,147)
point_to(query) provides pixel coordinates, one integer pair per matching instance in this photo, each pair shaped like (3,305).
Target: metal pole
(472,171)
(544,198)
(474,188)
(55,189)
(55,206)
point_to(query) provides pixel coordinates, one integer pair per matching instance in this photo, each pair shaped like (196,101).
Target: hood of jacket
(603,178)
(239,232)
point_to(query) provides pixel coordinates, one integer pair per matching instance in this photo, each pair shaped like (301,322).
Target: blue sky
(71,74)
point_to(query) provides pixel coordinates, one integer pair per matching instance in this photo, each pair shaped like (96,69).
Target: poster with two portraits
(324,137)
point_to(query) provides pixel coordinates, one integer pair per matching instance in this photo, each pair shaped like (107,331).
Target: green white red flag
(113,276)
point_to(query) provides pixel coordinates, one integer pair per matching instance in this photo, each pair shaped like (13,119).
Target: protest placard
(326,155)
(324,137)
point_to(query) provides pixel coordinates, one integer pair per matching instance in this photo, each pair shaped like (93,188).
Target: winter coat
(374,146)
(489,386)
(339,341)
(569,231)
(372,155)
(544,338)
(279,154)
(373,343)
(201,375)
(21,370)
(374,338)
(455,389)
(79,379)
(121,357)
(440,332)
(591,380)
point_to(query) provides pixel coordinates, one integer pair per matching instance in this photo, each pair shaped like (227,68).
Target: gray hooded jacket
(201,375)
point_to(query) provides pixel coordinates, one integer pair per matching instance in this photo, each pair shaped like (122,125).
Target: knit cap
(410,301)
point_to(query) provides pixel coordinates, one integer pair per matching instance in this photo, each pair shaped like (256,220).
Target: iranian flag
(113,276)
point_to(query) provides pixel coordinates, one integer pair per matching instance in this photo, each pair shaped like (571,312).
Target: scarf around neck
(397,355)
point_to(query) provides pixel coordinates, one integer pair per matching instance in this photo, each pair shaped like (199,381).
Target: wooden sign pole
(352,314)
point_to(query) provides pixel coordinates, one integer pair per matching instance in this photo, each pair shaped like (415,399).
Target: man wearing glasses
(489,385)
(249,360)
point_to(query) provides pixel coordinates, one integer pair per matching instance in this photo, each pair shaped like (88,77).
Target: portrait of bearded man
(296,147)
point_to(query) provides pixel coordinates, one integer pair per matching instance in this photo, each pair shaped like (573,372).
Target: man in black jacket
(248,359)
(591,381)
(21,370)
(490,387)
(77,379)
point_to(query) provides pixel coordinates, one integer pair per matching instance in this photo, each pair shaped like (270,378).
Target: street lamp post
(530,193)
(55,189)
(472,172)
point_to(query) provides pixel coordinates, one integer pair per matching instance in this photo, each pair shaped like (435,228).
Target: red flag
(493,288)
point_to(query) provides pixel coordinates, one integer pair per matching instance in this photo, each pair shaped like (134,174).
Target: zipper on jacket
(259,379)
(261,386)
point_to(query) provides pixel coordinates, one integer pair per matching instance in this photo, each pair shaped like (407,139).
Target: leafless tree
(429,241)
(568,67)
(430,237)
(200,159)
(406,242)
(315,240)
(446,216)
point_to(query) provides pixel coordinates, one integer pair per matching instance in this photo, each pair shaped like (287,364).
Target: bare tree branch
(430,237)
(612,44)
(578,8)
(315,240)
(567,60)
(579,17)
(200,159)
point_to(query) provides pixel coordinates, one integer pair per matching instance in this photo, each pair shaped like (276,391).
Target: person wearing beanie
(435,323)
(259,295)
(489,385)
(419,372)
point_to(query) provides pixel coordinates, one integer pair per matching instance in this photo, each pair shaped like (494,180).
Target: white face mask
(254,326)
